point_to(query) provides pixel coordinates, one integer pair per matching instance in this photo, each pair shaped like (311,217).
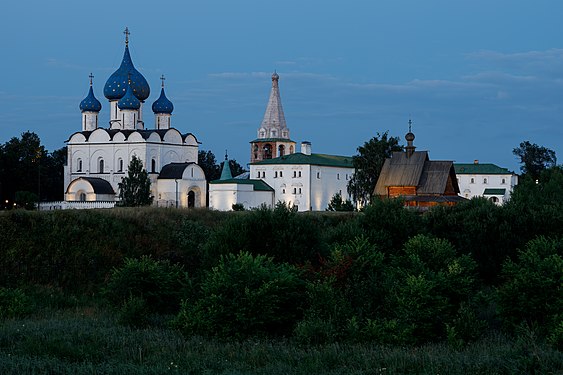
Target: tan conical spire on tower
(274,118)
(273,135)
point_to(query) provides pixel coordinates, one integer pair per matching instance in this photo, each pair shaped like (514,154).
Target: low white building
(98,157)
(227,191)
(305,180)
(485,180)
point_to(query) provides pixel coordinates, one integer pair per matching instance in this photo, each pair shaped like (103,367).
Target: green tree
(212,169)
(20,165)
(206,160)
(135,189)
(532,290)
(338,204)
(245,295)
(534,158)
(368,164)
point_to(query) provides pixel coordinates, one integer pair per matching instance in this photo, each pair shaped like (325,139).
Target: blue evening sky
(476,77)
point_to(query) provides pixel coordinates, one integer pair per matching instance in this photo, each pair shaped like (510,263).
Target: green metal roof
(472,168)
(313,159)
(259,185)
(286,140)
(494,192)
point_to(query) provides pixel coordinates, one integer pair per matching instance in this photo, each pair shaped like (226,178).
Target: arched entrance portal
(191,199)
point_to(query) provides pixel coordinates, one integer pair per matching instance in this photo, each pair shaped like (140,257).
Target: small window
(294,173)
(503,181)
(299,173)
(101,166)
(258,175)
(82,197)
(294,190)
(338,176)
(276,174)
(281,173)
(153,166)
(263,174)
(79,165)
(484,180)
(283,191)
(472,181)
(318,175)
(120,165)
(299,190)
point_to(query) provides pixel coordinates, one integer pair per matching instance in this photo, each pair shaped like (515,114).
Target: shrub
(389,224)
(244,295)
(426,285)
(281,233)
(532,290)
(161,284)
(14,303)
(134,312)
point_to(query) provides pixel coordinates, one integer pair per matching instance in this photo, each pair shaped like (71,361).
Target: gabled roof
(313,159)
(173,171)
(430,177)
(259,185)
(478,168)
(400,170)
(434,177)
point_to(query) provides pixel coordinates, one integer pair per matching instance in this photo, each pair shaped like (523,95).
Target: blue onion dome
(129,100)
(116,85)
(162,104)
(90,103)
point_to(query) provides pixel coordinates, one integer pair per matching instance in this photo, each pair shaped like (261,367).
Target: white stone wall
(474,185)
(116,154)
(297,184)
(223,196)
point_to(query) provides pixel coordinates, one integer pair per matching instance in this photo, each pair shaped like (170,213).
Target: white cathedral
(98,157)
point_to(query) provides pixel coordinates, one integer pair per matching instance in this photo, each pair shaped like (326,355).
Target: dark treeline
(387,275)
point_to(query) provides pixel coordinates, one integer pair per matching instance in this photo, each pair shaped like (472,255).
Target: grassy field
(88,340)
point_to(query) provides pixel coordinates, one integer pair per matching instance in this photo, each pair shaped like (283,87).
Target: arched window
(82,197)
(281,150)
(494,199)
(472,180)
(484,180)
(291,149)
(153,166)
(299,173)
(256,152)
(276,174)
(120,165)
(101,166)
(503,181)
(79,169)
(267,151)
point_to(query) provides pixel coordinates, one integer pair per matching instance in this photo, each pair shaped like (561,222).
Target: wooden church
(417,180)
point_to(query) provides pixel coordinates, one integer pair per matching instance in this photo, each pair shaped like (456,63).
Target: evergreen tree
(338,204)
(135,189)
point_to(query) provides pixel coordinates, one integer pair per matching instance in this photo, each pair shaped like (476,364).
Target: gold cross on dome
(162,79)
(91,76)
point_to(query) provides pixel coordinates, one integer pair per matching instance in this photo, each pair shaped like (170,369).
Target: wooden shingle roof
(429,177)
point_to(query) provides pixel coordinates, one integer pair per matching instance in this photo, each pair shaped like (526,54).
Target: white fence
(74,205)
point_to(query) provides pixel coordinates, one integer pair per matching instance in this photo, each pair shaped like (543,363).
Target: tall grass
(89,341)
